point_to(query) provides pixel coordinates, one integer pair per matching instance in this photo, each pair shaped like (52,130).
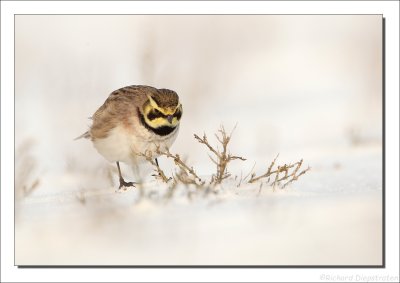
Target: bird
(135,120)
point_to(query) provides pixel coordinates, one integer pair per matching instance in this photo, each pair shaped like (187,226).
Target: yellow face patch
(157,117)
(166,110)
(160,122)
(152,102)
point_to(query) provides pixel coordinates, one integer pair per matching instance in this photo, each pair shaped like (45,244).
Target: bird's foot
(123,184)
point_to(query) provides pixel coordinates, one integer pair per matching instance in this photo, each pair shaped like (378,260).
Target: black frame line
(383,141)
(383,265)
(199,266)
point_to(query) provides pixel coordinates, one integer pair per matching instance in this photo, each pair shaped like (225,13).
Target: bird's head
(162,109)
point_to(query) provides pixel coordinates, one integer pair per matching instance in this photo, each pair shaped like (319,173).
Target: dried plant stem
(181,164)
(222,158)
(29,189)
(25,165)
(285,169)
(296,177)
(161,175)
(267,174)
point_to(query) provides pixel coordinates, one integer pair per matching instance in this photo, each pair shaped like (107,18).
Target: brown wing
(119,107)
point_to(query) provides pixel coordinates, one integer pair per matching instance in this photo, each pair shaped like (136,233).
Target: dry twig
(285,169)
(160,173)
(221,159)
(187,176)
(25,167)
(185,170)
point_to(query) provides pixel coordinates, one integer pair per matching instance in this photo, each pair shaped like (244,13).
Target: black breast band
(162,131)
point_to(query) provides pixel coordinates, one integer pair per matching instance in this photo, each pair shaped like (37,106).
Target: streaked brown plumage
(134,120)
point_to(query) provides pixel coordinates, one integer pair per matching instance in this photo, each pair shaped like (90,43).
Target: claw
(122,183)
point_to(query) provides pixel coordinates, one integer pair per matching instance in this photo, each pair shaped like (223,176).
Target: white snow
(331,216)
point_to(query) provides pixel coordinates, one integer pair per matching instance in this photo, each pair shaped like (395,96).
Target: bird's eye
(178,114)
(154,113)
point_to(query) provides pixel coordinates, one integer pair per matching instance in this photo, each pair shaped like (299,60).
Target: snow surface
(301,86)
(331,216)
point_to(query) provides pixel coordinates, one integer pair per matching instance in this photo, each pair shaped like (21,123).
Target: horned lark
(132,121)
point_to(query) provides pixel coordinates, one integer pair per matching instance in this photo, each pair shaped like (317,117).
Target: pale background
(303,86)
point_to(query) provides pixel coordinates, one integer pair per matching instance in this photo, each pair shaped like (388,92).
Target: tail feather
(84,135)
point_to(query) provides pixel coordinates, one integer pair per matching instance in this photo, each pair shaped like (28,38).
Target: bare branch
(161,175)
(205,142)
(296,177)
(178,161)
(277,174)
(267,174)
(223,157)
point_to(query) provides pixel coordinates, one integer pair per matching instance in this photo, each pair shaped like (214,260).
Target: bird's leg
(160,172)
(122,182)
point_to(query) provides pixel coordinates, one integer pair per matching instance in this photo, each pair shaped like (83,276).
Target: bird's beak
(169,118)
